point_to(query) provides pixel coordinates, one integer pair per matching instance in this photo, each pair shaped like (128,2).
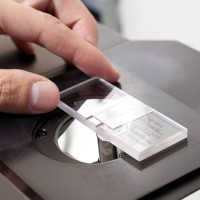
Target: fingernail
(44,96)
(29,2)
(115,70)
(115,74)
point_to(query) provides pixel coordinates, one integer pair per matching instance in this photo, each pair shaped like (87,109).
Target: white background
(161,19)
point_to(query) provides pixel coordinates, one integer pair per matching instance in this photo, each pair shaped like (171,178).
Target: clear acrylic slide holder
(129,124)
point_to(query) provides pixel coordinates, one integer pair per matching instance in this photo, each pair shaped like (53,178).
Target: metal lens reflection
(82,144)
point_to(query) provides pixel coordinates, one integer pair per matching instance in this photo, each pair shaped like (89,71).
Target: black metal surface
(119,179)
(168,65)
(15,185)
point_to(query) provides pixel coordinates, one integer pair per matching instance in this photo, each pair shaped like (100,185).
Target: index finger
(31,25)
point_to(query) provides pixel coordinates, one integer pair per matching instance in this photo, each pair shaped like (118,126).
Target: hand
(72,13)
(70,34)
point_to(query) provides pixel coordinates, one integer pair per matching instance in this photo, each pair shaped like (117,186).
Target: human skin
(64,27)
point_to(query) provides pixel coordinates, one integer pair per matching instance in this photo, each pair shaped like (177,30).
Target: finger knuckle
(49,24)
(9,89)
(76,55)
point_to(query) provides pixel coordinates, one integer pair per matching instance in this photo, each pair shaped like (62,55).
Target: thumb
(25,93)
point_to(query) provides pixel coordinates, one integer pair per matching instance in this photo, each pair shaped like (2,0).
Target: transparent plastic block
(129,124)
